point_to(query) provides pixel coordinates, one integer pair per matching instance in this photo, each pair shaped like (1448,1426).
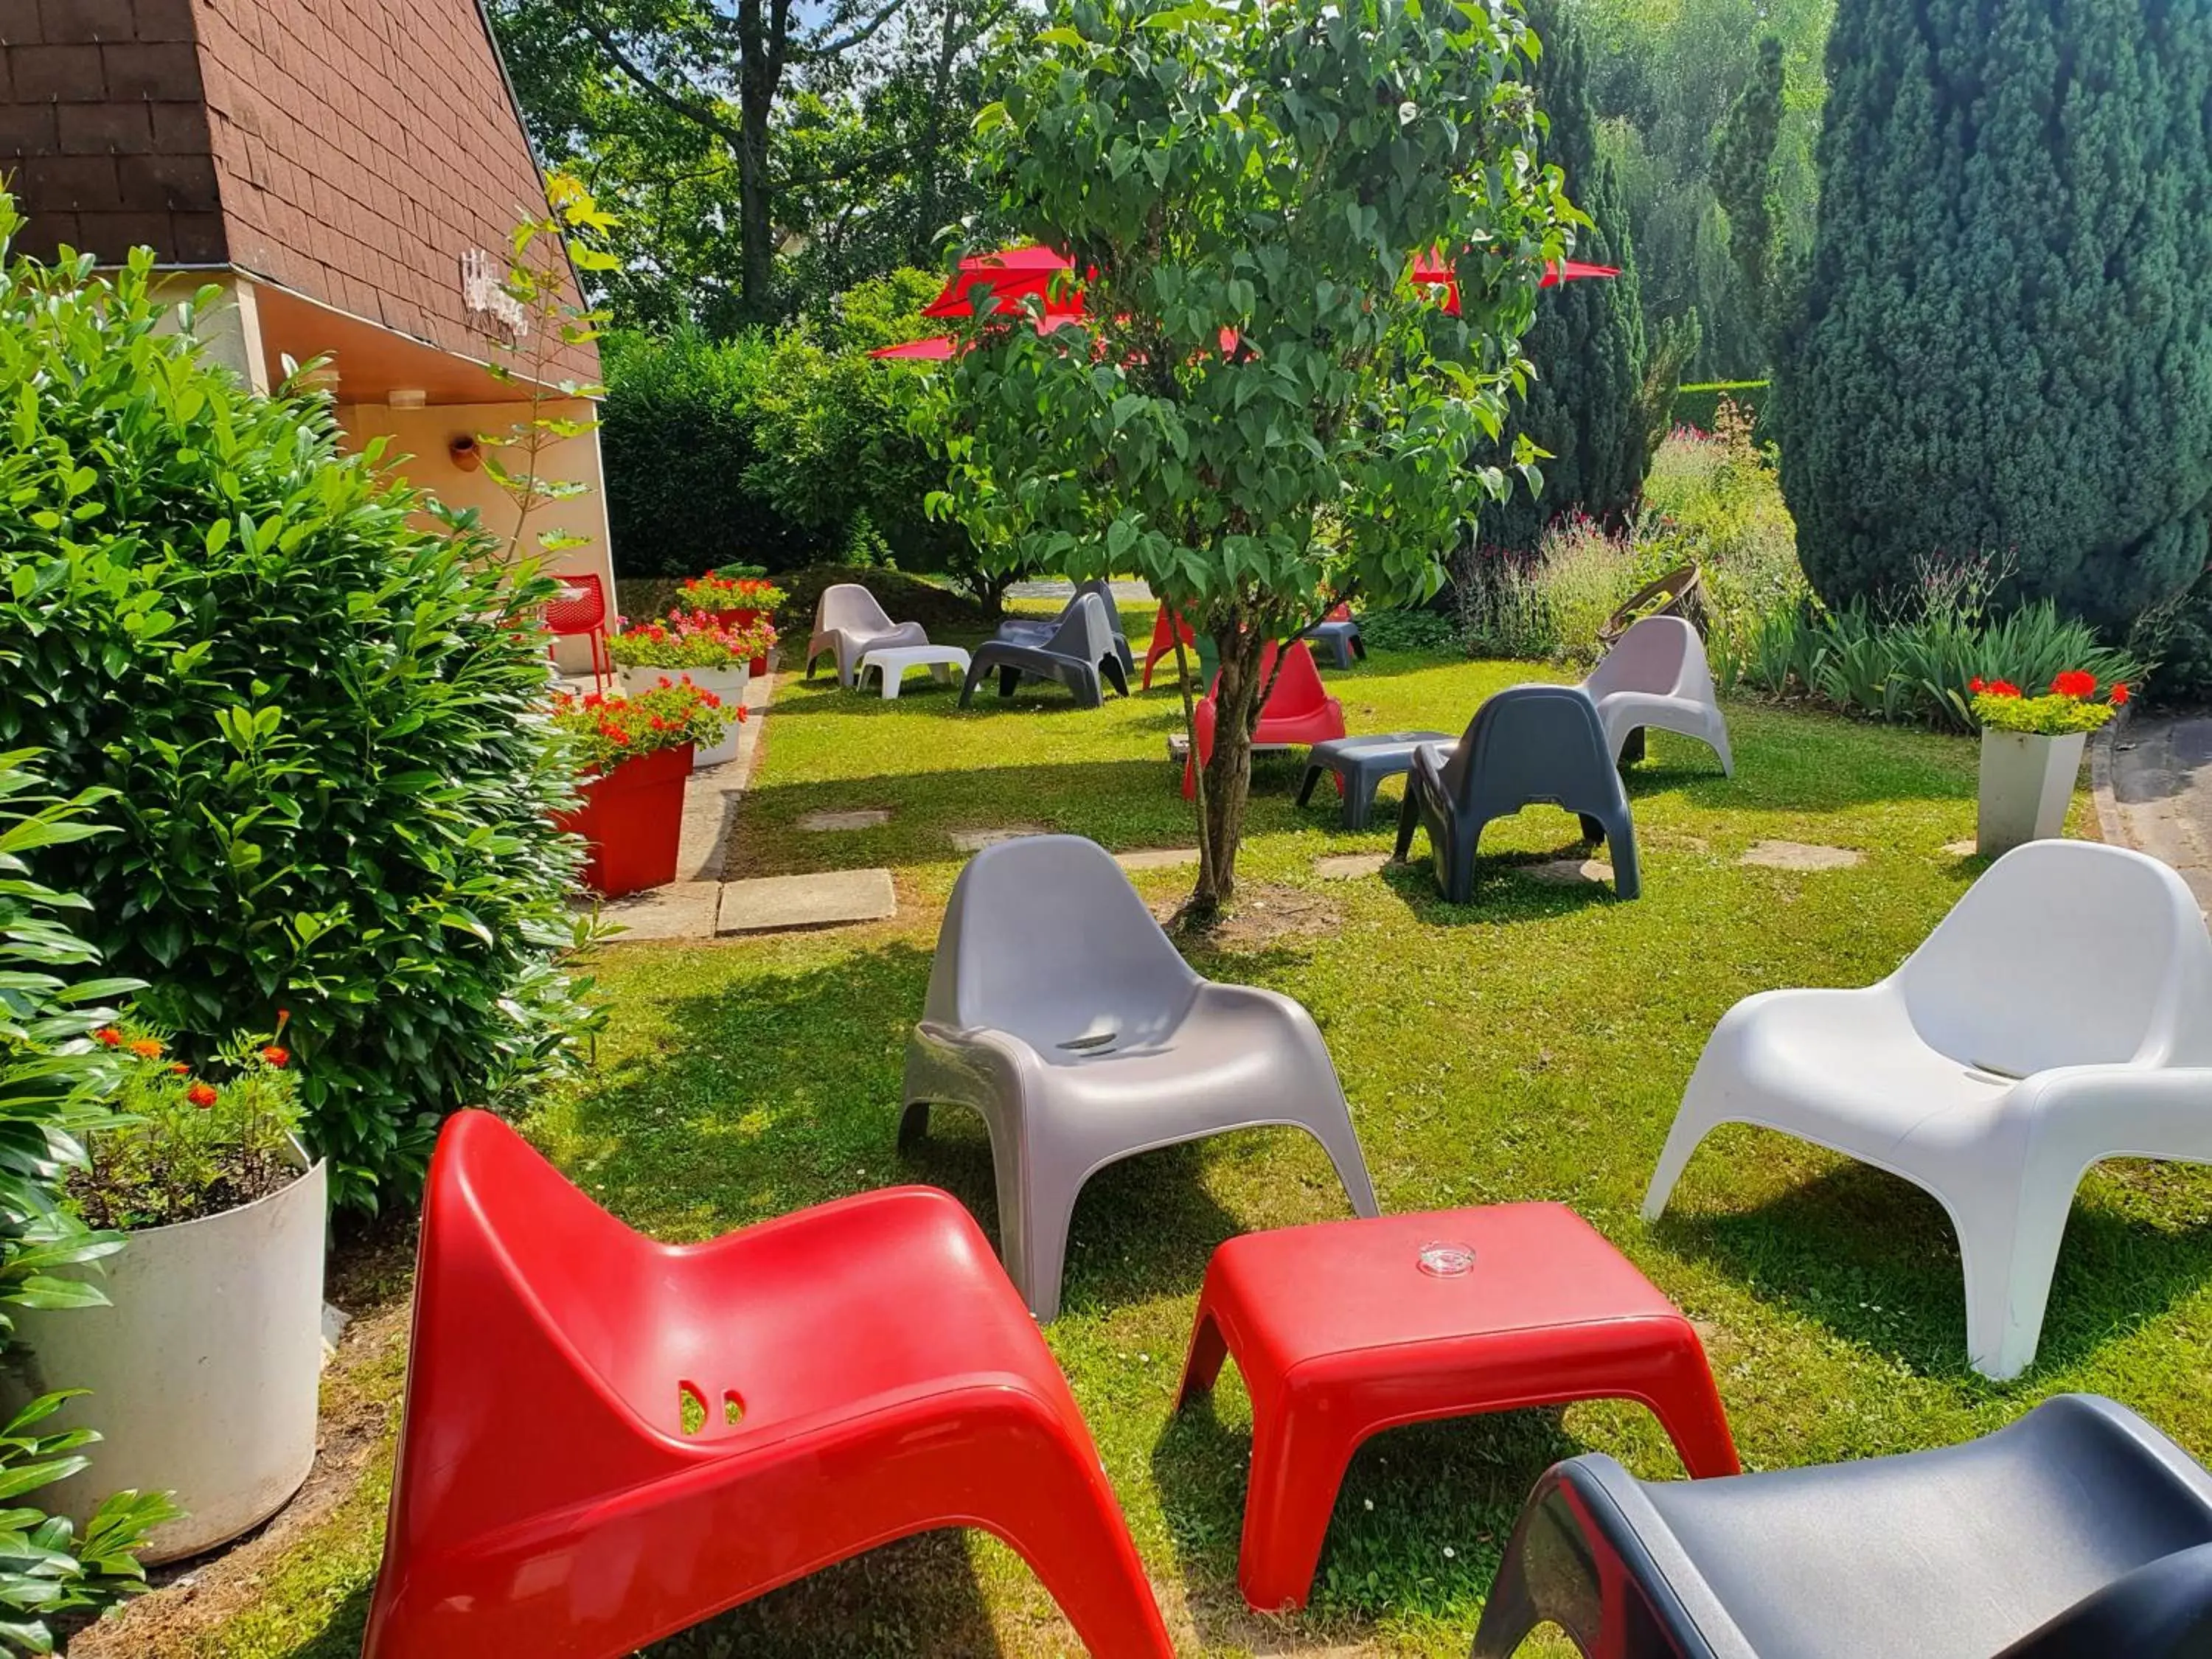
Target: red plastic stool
(1349,1327)
(608,1439)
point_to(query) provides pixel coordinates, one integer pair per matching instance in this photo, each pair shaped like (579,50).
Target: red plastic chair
(580,607)
(1297,711)
(1163,640)
(884,1376)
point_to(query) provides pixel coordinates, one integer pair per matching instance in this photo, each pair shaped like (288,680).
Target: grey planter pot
(2027,785)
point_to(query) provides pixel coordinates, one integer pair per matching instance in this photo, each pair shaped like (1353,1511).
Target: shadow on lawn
(1874,1257)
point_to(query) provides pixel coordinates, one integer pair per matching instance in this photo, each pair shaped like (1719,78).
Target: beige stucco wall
(229,331)
(423,437)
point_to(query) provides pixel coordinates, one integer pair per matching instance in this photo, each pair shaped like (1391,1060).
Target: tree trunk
(929,154)
(763,41)
(1227,784)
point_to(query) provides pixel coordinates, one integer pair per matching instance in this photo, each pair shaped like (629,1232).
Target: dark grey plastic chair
(1076,654)
(1032,630)
(2078,1532)
(1060,1012)
(1526,744)
(1342,638)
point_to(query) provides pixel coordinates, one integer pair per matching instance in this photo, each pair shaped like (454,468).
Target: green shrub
(1699,406)
(1410,630)
(56,1087)
(333,785)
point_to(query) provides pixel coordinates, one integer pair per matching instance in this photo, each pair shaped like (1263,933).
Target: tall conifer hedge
(2006,342)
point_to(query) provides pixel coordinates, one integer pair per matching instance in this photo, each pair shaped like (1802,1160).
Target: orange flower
(110,1036)
(146,1048)
(280,1058)
(2119,696)
(181,1069)
(202,1096)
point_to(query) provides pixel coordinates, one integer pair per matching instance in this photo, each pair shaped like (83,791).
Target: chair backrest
(1660,654)
(2066,953)
(849,608)
(1044,936)
(1083,632)
(1532,743)
(1298,689)
(580,606)
(1104,589)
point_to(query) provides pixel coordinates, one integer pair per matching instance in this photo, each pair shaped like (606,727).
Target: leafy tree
(1272,172)
(1587,343)
(2003,349)
(1743,176)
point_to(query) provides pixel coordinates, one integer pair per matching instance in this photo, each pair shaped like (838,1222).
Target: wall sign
(491,309)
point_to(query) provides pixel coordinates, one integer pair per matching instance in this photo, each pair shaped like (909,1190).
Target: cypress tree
(1743,176)
(1587,343)
(2005,344)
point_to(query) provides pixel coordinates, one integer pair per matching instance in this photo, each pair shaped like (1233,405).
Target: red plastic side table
(1350,1328)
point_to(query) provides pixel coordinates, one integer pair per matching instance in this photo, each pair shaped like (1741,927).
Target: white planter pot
(727,683)
(204,1371)
(2028,783)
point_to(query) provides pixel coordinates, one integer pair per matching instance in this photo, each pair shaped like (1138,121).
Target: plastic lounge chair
(1299,710)
(1657,676)
(1527,744)
(607,1439)
(2078,1532)
(1680,592)
(580,607)
(1076,653)
(848,623)
(1033,630)
(1163,640)
(2062,1013)
(1340,634)
(1060,1013)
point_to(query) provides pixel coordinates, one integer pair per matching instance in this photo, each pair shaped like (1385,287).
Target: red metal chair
(1298,711)
(580,607)
(607,1439)
(1163,640)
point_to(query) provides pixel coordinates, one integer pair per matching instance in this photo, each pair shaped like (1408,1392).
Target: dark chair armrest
(2162,1610)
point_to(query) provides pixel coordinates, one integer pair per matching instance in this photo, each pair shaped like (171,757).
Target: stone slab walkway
(2152,782)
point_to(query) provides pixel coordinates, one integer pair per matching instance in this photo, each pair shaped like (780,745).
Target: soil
(1262,913)
(127,1207)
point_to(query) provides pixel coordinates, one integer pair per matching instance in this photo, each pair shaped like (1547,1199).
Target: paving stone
(1800,855)
(867,817)
(1960,849)
(1350,866)
(974,841)
(1568,872)
(682,909)
(768,903)
(1157,858)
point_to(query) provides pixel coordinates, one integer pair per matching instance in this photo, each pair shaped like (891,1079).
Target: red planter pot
(632,819)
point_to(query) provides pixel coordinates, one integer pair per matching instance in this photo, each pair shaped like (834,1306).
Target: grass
(1533,1044)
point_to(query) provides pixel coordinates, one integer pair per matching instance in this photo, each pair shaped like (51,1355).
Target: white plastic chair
(2061,1014)
(1657,676)
(848,623)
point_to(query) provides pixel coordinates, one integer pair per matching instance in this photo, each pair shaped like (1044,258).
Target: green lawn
(1531,1045)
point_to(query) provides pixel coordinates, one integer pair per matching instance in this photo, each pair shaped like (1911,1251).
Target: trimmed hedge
(1701,405)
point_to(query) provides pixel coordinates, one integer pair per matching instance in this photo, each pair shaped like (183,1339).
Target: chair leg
(1627,877)
(1682,1397)
(1009,678)
(1298,1461)
(914,1124)
(1334,1130)
(973,677)
(1548,1575)
(1716,735)
(1692,1125)
(1631,748)
(1033,1232)
(1409,818)
(1111,666)
(2009,1250)
(1306,783)
(1201,1366)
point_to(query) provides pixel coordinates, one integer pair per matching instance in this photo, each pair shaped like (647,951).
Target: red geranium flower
(280,1058)
(202,1096)
(2003,689)
(1976,683)
(110,1036)
(2119,696)
(2074,683)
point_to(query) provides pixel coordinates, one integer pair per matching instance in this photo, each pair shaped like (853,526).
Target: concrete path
(2154,788)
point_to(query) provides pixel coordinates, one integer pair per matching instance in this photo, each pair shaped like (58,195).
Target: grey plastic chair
(1342,638)
(1527,744)
(1034,630)
(1657,676)
(1060,1013)
(848,623)
(1076,653)
(2078,1532)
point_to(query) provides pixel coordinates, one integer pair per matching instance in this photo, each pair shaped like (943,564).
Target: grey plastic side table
(1360,764)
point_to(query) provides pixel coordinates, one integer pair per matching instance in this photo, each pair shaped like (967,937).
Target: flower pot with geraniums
(2032,754)
(738,598)
(203,1368)
(637,752)
(692,645)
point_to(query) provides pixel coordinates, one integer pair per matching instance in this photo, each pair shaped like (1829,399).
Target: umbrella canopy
(1433,268)
(938,347)
(1012,274)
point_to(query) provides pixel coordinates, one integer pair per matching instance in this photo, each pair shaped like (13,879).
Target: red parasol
(1432,268)
(1012,274)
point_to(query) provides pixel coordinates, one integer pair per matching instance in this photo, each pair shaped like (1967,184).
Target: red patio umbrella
(1433,268)
(1012,274)
(938,347)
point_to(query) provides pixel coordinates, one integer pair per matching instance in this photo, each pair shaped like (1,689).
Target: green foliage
(2051,716)
(606,731)
(56,1088)
(1699,406)
(2002,348)
(1219,168)
(1744,182)
(1587,342)
(1421,630)
(780,448)
(333,792)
